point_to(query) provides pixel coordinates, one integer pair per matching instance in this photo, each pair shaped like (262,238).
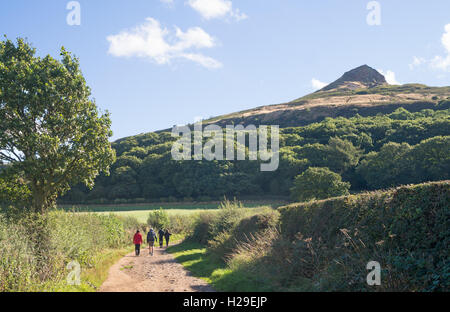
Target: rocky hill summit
(358,78)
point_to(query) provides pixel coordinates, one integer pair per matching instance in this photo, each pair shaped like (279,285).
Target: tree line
(361,153)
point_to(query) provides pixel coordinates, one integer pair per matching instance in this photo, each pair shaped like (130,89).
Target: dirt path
(157,273)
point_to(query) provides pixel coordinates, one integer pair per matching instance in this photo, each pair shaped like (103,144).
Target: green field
(141,211)
(142,215)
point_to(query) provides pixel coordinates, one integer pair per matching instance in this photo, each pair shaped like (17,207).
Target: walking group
(151,239)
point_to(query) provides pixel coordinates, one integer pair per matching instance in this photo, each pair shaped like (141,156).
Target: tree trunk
(39,232)
(40,199)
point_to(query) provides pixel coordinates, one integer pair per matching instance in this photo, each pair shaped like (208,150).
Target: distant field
(165,206)
(142,215)
(141,211)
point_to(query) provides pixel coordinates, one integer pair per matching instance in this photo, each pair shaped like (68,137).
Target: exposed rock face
(360,77)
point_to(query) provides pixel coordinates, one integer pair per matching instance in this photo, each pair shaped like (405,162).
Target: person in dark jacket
(137,241)
(161,237)
(167,236)
(151,237)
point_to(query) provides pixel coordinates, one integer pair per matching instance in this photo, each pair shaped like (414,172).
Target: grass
(137,207)
(142,215)
(165,206)
(196,259)
(93,278)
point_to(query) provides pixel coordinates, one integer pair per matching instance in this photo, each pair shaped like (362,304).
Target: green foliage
(230,213)
(181,224)
(72,237)
(325,245)
(145,168)
(51,134)
(208,225)
(224,244)
(397,164)
(405,229)
(386,168)
(158,219)
(223,277)
(202,228)
(318,183)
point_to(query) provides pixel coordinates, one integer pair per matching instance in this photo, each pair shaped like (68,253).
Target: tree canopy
(51,133)
(318,183)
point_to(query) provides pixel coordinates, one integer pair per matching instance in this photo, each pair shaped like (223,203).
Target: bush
(202,225)
(318,183)
(224,244)
(208,225)
(158,219)
(181,224)
(230,213)
(407,230)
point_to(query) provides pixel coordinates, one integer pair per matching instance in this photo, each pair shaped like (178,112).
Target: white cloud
(439,62)
(417,61)
(160,45)
(205,61)
(210,9)
(390,77)
(317,84)
(443,62)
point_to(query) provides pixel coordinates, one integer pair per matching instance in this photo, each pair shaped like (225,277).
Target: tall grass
(71,237)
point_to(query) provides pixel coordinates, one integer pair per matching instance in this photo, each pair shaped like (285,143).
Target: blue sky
(157,63)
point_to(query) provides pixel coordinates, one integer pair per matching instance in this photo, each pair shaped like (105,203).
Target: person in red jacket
(137,241)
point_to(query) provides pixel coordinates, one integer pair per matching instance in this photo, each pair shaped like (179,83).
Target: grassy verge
(196,259)
(193,256)
(92,278)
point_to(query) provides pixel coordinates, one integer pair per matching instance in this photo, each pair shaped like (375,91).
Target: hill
(358,78)
(373,137)
(361,91)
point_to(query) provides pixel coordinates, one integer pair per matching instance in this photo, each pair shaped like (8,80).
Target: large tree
(52,135)
(318,183)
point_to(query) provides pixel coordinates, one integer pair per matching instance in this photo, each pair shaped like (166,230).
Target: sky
(157,63)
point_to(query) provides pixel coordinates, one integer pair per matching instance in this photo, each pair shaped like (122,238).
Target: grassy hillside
(347,103)
(326,245)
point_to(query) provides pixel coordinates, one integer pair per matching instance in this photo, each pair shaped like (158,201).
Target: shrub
(405,229)
(224,244)
(181,224)
(158,219)
(202,224)
(230,213)
(318,183)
